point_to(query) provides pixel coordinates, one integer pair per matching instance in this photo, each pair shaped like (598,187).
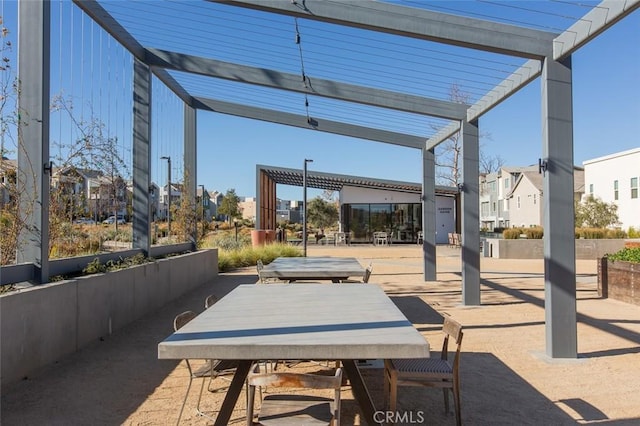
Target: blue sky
(606,94)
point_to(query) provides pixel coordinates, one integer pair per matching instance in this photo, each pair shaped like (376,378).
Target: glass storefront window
(403,221)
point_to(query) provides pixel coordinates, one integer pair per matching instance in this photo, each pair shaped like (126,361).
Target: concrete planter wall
(619,280)
(42,324)
(534,249)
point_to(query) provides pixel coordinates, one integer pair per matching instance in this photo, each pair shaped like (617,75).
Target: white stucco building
(615,179)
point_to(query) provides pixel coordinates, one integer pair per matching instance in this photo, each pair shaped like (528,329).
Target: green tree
(322,213)
(229,204)
(595,213)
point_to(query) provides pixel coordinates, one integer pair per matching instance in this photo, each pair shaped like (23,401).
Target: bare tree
(449,152)
(490,163)
(91,149)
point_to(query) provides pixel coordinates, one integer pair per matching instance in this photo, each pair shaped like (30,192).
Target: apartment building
(513,197)
(615,178)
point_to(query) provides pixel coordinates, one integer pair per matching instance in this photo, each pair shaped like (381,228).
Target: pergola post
(141,156)
(190,163)
(558,215)
(34,166)
(470,214)
(429,214)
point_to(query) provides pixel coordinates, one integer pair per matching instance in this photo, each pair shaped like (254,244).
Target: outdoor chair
(294,408)
(210,301)
(365,277)
(261,279)
(428,372)
(380,238)
(208,369)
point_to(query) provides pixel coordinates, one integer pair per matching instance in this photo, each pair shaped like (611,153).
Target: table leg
(360,391)
(230,399)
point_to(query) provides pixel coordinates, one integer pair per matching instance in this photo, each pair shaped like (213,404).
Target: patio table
(313,268)
(284,322)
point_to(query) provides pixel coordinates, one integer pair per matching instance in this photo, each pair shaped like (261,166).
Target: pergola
(537,53)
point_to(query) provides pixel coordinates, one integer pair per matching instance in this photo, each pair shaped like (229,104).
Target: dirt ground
(506,376)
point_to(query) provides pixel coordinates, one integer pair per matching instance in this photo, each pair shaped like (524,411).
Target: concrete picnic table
(288,322)
(313,268)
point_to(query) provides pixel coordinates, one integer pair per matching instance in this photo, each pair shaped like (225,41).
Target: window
(518,201)
(534,199)
(634,187)
(591,188)
(506,183)
(493,207)
(485,208)
(615,189)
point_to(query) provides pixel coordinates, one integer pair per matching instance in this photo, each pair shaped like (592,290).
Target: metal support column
(190,163)
(558,215)
(34,166)
(429,214)
(470,214)
(141,156)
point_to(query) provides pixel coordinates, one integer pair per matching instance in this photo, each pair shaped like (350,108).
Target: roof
(536,180)
(335,182)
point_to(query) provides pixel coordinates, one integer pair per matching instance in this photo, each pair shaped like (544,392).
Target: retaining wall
(42,324)
(619,280)
(534,249)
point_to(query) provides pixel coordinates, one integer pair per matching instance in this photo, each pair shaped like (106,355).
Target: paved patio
(506,378)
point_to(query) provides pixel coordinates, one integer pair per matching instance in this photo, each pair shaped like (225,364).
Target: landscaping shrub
(633,232)
(535,233)
(248,256)
(512,233)
(626,255)
(591,233)
(615,234)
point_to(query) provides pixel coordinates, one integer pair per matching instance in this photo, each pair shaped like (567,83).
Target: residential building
(526,199)
(88,193)
(247,207)
(205,204)
(7,178)
(494,203)
(615,179)
(513,196)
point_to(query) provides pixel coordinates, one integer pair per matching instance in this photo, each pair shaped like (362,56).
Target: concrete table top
(313,268)
(311,321)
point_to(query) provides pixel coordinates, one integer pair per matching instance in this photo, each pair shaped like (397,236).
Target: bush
(535,233)
(512,233)
(600,233)
(626,255)
(615,234)
(591,233)
(633,232)
(248,256)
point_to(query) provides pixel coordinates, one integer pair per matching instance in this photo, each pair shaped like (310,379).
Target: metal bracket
(542,166)
(48,167)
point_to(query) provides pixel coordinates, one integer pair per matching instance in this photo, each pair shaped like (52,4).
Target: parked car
(112,219)
(85,221)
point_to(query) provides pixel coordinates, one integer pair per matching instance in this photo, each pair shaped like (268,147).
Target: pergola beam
(314,86)
(444,134)
(300,121)
(510,85)
(415,23)
(601,17)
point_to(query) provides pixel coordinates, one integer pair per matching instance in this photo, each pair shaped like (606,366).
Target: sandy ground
(506,376)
